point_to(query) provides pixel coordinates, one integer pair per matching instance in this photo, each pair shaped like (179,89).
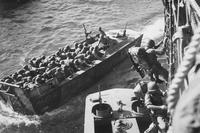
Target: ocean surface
(40,27)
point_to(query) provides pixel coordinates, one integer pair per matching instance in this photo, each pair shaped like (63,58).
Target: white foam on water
(154,31)
(10,118)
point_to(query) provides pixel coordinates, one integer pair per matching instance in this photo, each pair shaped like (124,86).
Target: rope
(182,71)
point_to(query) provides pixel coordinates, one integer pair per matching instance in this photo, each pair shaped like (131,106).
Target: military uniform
(147,60)
(154,102)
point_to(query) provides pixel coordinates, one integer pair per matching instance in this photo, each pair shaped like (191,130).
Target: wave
(11,120)
(153,31)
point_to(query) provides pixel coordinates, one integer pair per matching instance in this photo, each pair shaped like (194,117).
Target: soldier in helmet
(40,70)
(103,39)
(84,50)
(26,67)
(68,49)
(154,97)
(19,78)
(88,38)
(32,62)
(78,50)
(39,80)
(89,58)
(59,74)
(148,62)
(67,70)
(21,71)
(14,76)
(76,45)
(139,93)
(157,107)
(158,49)
(81,65)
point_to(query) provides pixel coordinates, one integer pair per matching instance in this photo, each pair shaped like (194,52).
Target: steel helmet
(148,44)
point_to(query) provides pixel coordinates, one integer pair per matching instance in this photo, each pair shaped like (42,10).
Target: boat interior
(107,120)
(115,115)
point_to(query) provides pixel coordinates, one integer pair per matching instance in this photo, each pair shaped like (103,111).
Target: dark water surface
(40,27)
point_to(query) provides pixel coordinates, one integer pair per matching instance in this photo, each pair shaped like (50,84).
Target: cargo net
(187,34)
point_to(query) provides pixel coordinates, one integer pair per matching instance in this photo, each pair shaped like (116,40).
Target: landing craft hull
(69,88)
(53,94)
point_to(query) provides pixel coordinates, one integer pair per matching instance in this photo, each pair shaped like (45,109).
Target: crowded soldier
(59,74)
(63,64)
(88,38)
(103,39)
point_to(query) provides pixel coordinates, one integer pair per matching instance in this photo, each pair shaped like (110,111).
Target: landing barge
(53,94)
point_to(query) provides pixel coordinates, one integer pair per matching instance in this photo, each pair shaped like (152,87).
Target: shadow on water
(94,2)
(7,5)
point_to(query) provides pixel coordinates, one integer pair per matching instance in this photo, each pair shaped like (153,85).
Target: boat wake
(9,118)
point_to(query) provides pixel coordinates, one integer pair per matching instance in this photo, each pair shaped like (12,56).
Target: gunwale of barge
(59,94)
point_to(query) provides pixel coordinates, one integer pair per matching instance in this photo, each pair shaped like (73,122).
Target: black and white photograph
(99,66)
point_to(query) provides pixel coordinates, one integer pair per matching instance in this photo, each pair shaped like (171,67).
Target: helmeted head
(7,81)
(91,49)
(76,62)
(62,62)
(80,46)
(14,76)
(19,77)
(33,58)
(38,78)
(85,44)
(26,67)
(148,44)
(151,44)
(73,54)
(76,45)
(52,58)
(43,57)
(67,48)
(22,71)
(27,73)
(100,29)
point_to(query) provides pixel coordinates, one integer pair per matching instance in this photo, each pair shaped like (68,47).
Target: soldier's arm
(162,49)
(150,106)
(159,44)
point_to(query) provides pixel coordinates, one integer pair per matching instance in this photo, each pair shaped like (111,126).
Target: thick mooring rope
(183,69)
